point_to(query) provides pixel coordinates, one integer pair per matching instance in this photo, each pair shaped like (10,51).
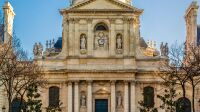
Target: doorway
(101,105)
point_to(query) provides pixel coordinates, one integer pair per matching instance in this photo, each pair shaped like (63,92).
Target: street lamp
(4,109)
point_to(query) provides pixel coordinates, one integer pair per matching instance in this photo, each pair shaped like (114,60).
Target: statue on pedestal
(164,49)
(37,49)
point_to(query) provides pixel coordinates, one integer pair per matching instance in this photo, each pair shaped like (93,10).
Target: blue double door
(101,105)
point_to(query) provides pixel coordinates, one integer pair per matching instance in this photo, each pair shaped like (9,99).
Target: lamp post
(4,109)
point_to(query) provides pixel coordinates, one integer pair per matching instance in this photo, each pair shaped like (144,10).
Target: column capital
(89,81)
(126,82)
(125,19)
(89,20)
(112,20)
(113,82)
(133,82)
(71,20)
(69,82)
(76,82)
(76,20)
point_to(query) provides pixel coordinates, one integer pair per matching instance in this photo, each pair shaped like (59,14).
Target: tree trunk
(184,91)
(9,96)
(9,104)
(193,95)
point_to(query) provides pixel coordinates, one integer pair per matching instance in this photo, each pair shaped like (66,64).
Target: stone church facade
(102,66)
(101,63)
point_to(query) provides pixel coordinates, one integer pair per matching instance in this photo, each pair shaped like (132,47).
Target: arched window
(54,96)
(149,96)
(101,27)
(18,105)
(183,105)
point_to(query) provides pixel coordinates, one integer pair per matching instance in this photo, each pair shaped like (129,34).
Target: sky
(40,20)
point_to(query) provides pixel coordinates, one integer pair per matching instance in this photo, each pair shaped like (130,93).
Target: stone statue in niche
(119,41)
(101,41)
(83,100)
(119,44)
(119,100)
(83,42)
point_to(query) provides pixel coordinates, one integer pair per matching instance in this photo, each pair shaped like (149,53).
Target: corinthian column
(112,38)
(71,37)
(133,107)
(126,97)
(77,38)
(113,96)
(90,38)
(89,97)
(132,36)
(65,37)
(69,97)
(126,38)
(76,97)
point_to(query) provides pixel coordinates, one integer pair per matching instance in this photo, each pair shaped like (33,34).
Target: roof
(142,43)
(58,44)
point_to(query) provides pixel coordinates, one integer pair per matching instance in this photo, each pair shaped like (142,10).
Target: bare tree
(192,67)
(173,69)
(183,68)
(17,72)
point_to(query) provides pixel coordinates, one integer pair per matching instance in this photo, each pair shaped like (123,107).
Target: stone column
(70,96)
(77,38)
(90,38)
(132,36)
(113,97)
(76,97)
(126,97)
(137,31)
(126,37)
(71,37)
(112,38)
(133,104)
(65,38)
(89,97)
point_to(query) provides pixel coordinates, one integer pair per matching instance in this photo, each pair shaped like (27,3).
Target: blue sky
(39,20)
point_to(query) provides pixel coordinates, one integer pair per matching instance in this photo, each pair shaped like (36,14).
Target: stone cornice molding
(101,11)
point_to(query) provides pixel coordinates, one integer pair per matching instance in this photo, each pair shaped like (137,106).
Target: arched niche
(101,36)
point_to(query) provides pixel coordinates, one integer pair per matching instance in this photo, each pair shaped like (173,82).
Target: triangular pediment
(103,5)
